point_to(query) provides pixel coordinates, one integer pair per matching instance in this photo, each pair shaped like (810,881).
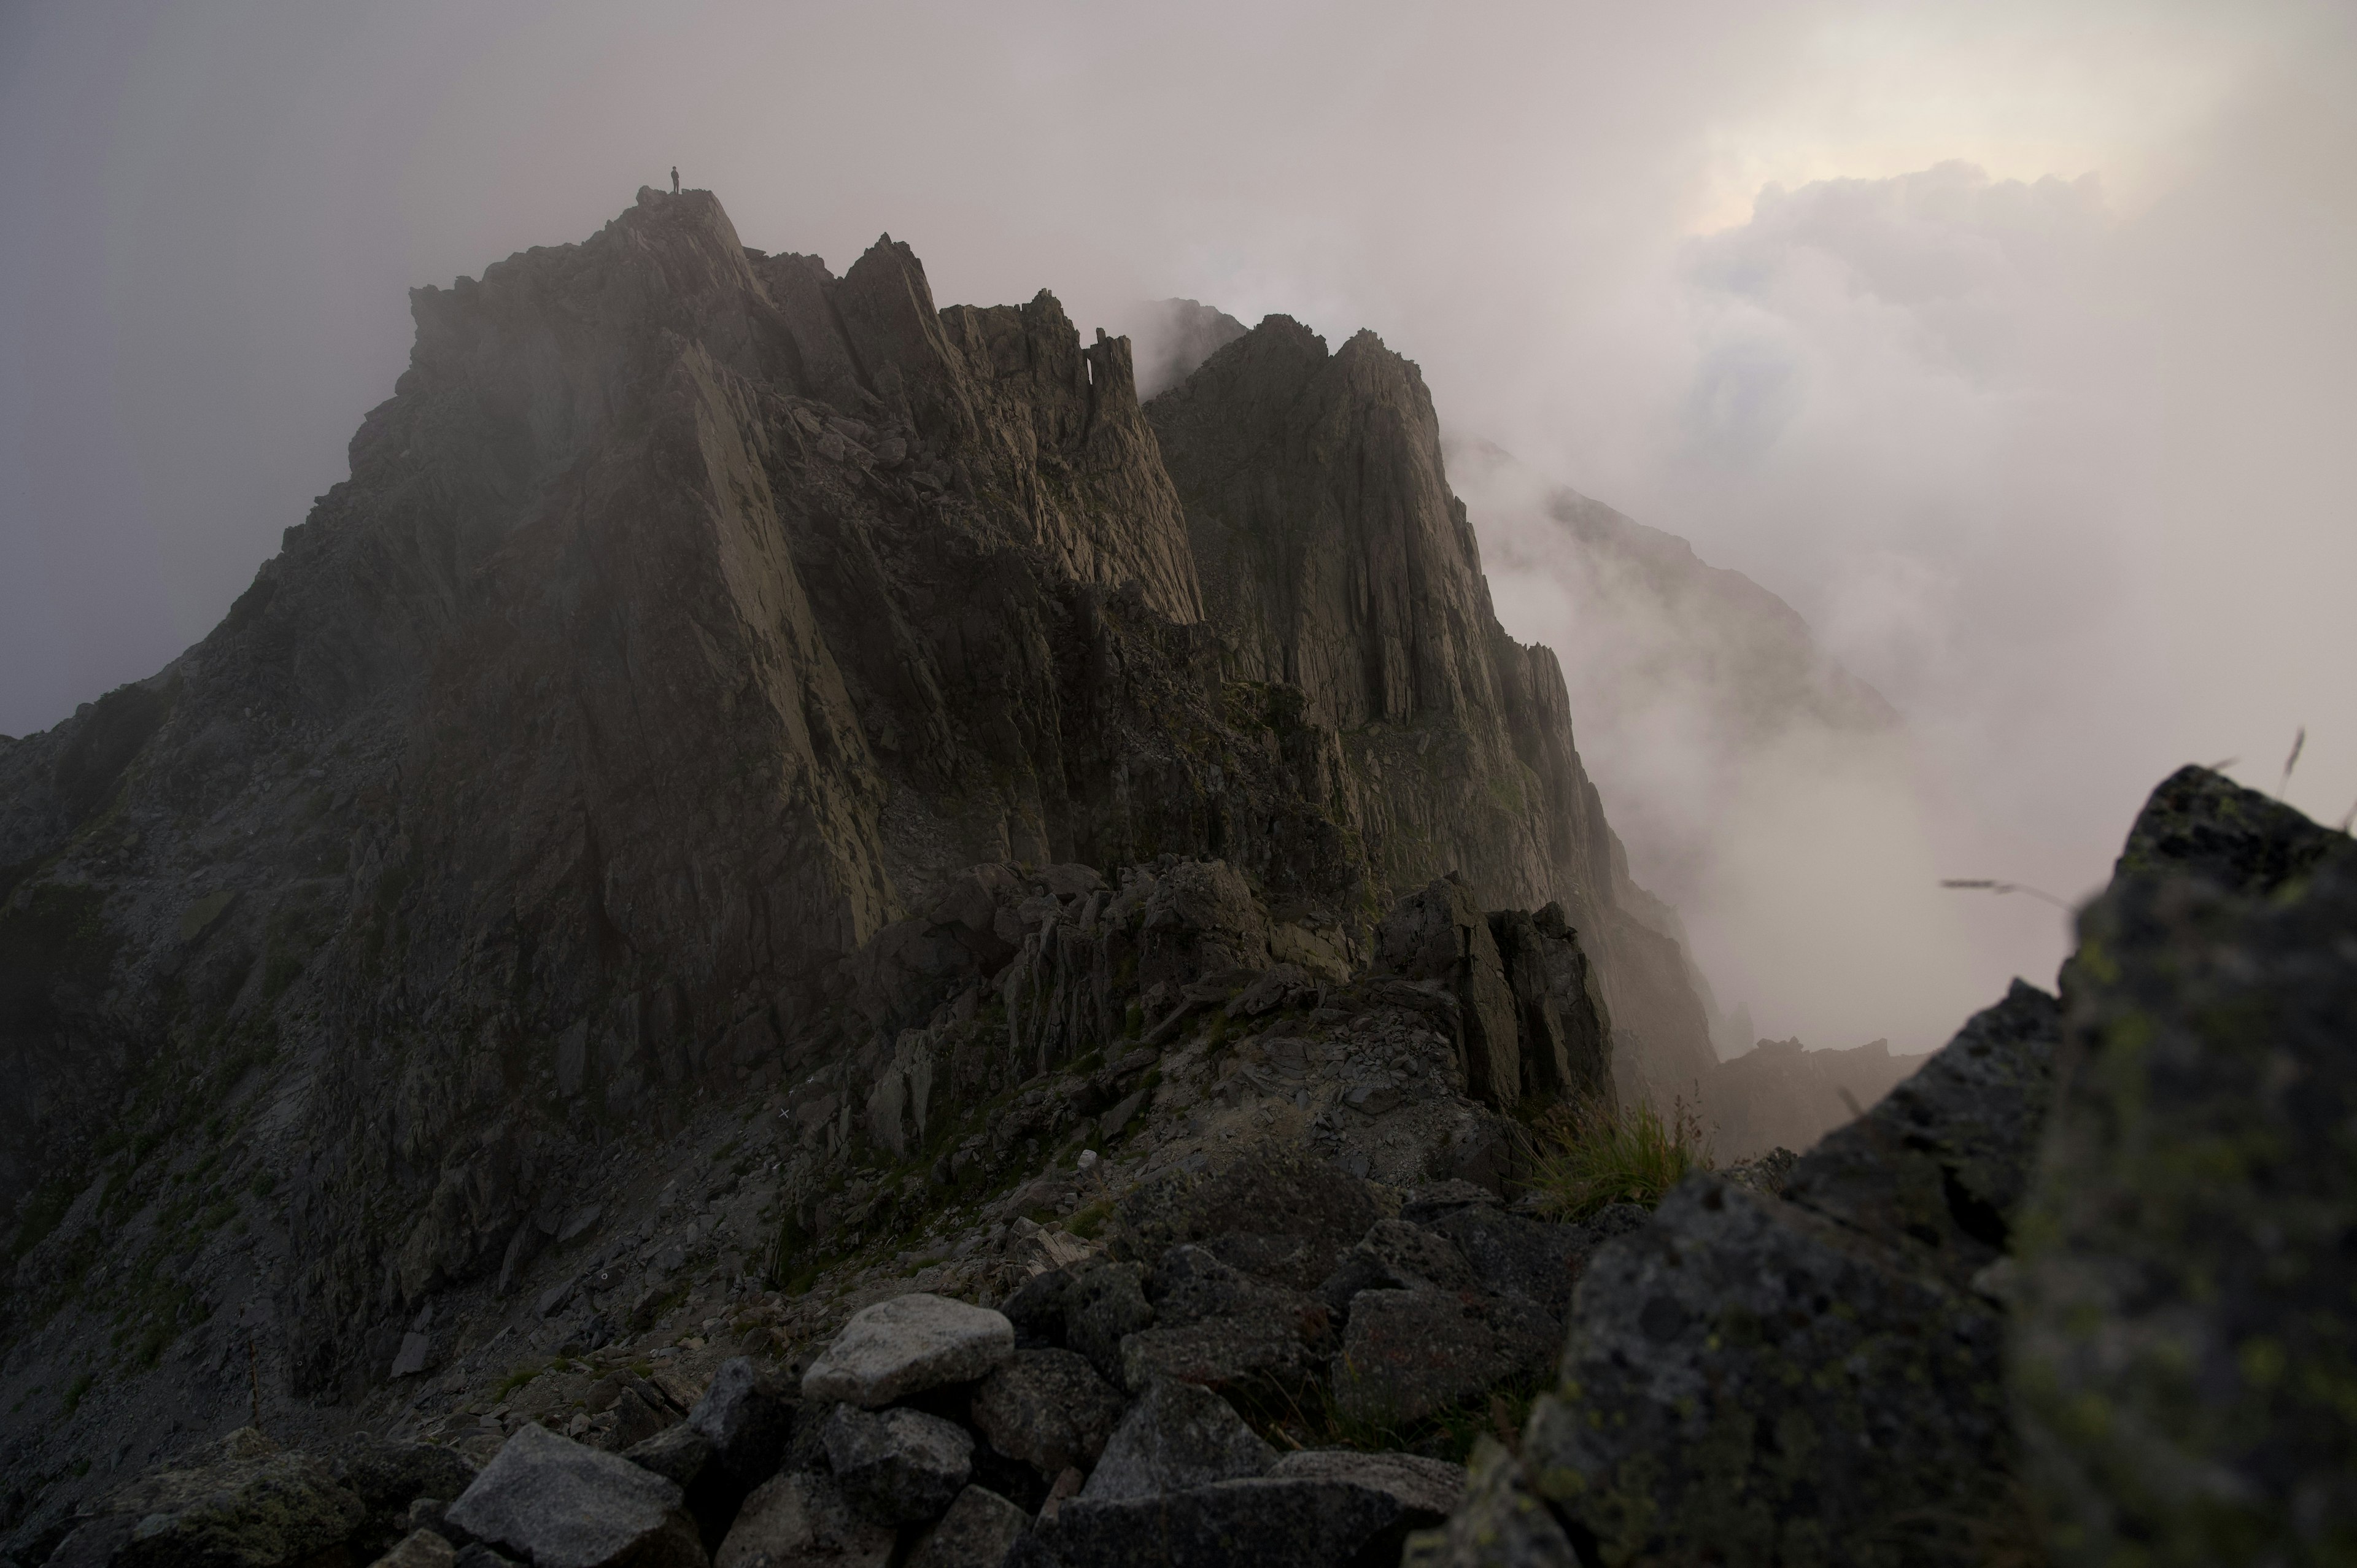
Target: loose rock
(1048,1408)
(901,1467)
(745,1416)
(978,1532)
(799,1520)
(907,1345)
(1176,1436)
(556,1504)
(1413,1353)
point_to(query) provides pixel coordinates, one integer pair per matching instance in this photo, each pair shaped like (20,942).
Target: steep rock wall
(626,726)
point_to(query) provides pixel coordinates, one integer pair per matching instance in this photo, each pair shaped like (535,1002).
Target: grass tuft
(1593,1155)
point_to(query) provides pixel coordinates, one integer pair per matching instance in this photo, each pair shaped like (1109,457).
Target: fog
(2009,344)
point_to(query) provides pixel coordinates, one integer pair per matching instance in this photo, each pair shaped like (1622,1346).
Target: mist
(2007,346)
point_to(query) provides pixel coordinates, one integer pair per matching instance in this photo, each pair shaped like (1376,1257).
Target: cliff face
(1335,559)
(626,728)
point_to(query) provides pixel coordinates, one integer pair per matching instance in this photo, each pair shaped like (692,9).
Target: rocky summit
(794,930)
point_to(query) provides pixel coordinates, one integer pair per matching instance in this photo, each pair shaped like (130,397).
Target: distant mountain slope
(1710,634)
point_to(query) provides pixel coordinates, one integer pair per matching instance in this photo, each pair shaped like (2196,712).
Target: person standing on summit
(675,179)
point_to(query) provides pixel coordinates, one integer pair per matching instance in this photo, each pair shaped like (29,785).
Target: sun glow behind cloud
(2021,93)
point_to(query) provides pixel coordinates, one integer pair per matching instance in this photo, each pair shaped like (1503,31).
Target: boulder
(419,1549)
(898,1467)
(1347,1510)
(979,1530)
(1327,1208)
(1176,1436)
(1567,1029)
(1439,933)
(1216,1326)
(1048,1408)
(1395,1255)
(1409,1354)
(240,1501)
(905,1345)
(554,1503)
(388,1476)
(1512,1254)
(2183,1348)
(1420,1485)
(744,1415)
(680,1455)
(799,1520)
(1104,1303)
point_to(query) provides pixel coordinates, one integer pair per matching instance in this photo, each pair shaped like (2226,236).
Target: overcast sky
(2012,343)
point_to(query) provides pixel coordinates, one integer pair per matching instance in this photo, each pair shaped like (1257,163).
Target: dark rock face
(239,1502)
(1334,560)
(671,702)
(2183,1344)
(2078,1254)
(1764,1379)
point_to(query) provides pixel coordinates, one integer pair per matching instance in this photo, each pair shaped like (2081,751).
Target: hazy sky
(2011,343)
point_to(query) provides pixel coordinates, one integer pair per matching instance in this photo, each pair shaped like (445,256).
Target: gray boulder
(744,1415)
(1409,1354)
(238,1502)
(979,1531)
(2183,1343)
(898,1467)
(800,1519)
(554,1503)
(1048,1408)
(1176,1436)
(906,1346)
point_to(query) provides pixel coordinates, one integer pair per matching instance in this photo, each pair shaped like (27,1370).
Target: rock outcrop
(719,678)
(2183,1344)
(2044,1301)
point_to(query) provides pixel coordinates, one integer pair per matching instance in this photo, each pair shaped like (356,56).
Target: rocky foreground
(2078,1291)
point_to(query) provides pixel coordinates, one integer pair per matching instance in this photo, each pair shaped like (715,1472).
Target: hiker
(675,179)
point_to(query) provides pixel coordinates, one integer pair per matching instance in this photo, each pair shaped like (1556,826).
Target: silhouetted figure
(675,179)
